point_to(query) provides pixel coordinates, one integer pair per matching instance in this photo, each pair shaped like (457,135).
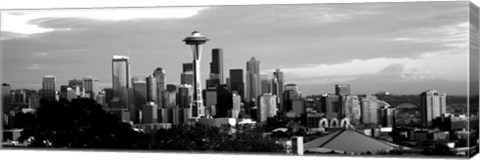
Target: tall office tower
(351,108)
(236,104)
(216,66)
(170,96)
(139,86)
(108,95)
(369,108)
(277,88)
(161,77)
(151,89)
(267,107)
(186,77)
(187,67)
(236,82)
(254,87)
(266,83)
(342,89)
(386,116)
(210,98)
(291,95)
(121,80)
(90,85)
(7,98)
(433,104)
(71,93)
(63,91)
(19,98)
(184,96)
(149,113)
(48,87)
(332,105)
(224,102)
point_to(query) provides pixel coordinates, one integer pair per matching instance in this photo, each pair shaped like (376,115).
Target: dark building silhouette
(188,67)
(151,89)
(216,66)
(6,98)
(224,101)
(277,88)
(236,82)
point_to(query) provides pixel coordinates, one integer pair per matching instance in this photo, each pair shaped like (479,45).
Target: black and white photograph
(360,79)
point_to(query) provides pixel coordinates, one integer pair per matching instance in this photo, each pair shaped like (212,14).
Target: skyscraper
(236,82)
(159,74)
(351,108)
(90,85)
(277,88)
(253,80)
(6,97)
(216,66)
(433,104)
(266,83)
(186,77)
(48,87)
(290,95)
(121,80)
(369,107)
(267,107)
(139,91)
(342,89)
(151,89)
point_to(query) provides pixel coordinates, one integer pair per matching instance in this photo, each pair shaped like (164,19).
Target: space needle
(196,41)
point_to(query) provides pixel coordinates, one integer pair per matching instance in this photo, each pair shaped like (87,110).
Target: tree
(80,123)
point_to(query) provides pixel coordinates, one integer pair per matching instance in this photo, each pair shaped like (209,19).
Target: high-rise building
(386,116)
(266,83)
(351,108)
(253,80)
(369,106)
(187,67)
(151,89)
(121,80)
(48,87)
(211,97)
(161,77)
(277,88)
(290,95)
(332,105)
(6,98)
(149,113)
(90,85)
(433,104)
(267,107)
(216,66)
(236,104)
(139,86)
(342,89)
(236,82)
(224,102)
(184,96)
(187,76)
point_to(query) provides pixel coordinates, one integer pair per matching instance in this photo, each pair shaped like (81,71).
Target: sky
(313,44)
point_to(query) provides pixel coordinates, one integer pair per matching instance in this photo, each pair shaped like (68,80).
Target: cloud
(34,67)
(28,23)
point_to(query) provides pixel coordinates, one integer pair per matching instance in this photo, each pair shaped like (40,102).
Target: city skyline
(321,51)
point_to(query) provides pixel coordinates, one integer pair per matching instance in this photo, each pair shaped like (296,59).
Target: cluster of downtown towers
(150,100)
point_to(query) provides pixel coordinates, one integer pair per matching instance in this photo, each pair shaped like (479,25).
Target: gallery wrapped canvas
(386,79)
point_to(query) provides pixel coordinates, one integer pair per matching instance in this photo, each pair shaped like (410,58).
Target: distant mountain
(396,79)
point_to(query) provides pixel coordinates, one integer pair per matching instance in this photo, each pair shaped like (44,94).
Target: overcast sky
(323,43)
